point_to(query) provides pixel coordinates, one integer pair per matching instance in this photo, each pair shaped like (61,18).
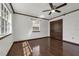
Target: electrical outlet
(72,37)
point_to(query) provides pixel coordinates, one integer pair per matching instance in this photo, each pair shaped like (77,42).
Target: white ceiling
(36,9)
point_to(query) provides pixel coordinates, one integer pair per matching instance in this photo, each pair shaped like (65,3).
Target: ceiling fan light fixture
(42,16)
(53,11)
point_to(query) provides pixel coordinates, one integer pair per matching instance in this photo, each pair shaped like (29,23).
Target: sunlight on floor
(26,49)
(36,50)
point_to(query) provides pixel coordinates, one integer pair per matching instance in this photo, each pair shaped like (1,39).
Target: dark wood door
(56,43)
(56,29)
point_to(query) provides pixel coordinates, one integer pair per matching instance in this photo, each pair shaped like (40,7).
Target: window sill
(4,36)
(35,31)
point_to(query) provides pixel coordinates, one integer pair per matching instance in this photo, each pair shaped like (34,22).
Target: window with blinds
(36,25)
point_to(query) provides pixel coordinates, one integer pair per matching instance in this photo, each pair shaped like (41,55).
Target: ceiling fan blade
(61,5)
(57,11)
(45,10)
(51,5)
(50,13)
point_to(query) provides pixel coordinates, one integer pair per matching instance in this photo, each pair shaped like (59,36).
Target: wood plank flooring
(46,47)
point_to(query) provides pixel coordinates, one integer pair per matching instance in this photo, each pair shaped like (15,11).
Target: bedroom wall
(5,45)
(70,27)
(22,28)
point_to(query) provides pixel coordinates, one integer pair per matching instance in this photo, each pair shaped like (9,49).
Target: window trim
(5,34)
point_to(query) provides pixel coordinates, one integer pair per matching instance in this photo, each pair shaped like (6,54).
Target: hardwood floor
(16,50)
(46,47)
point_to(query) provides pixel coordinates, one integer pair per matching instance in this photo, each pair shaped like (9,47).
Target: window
(5,20)
(36,25)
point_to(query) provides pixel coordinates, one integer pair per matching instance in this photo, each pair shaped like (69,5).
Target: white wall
(70,27)
(5,45)
(22,28)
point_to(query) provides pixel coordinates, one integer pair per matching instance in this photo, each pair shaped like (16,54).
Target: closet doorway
(56,29)
(56,40)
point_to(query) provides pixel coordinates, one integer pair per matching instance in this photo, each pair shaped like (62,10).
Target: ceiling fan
(54,8)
